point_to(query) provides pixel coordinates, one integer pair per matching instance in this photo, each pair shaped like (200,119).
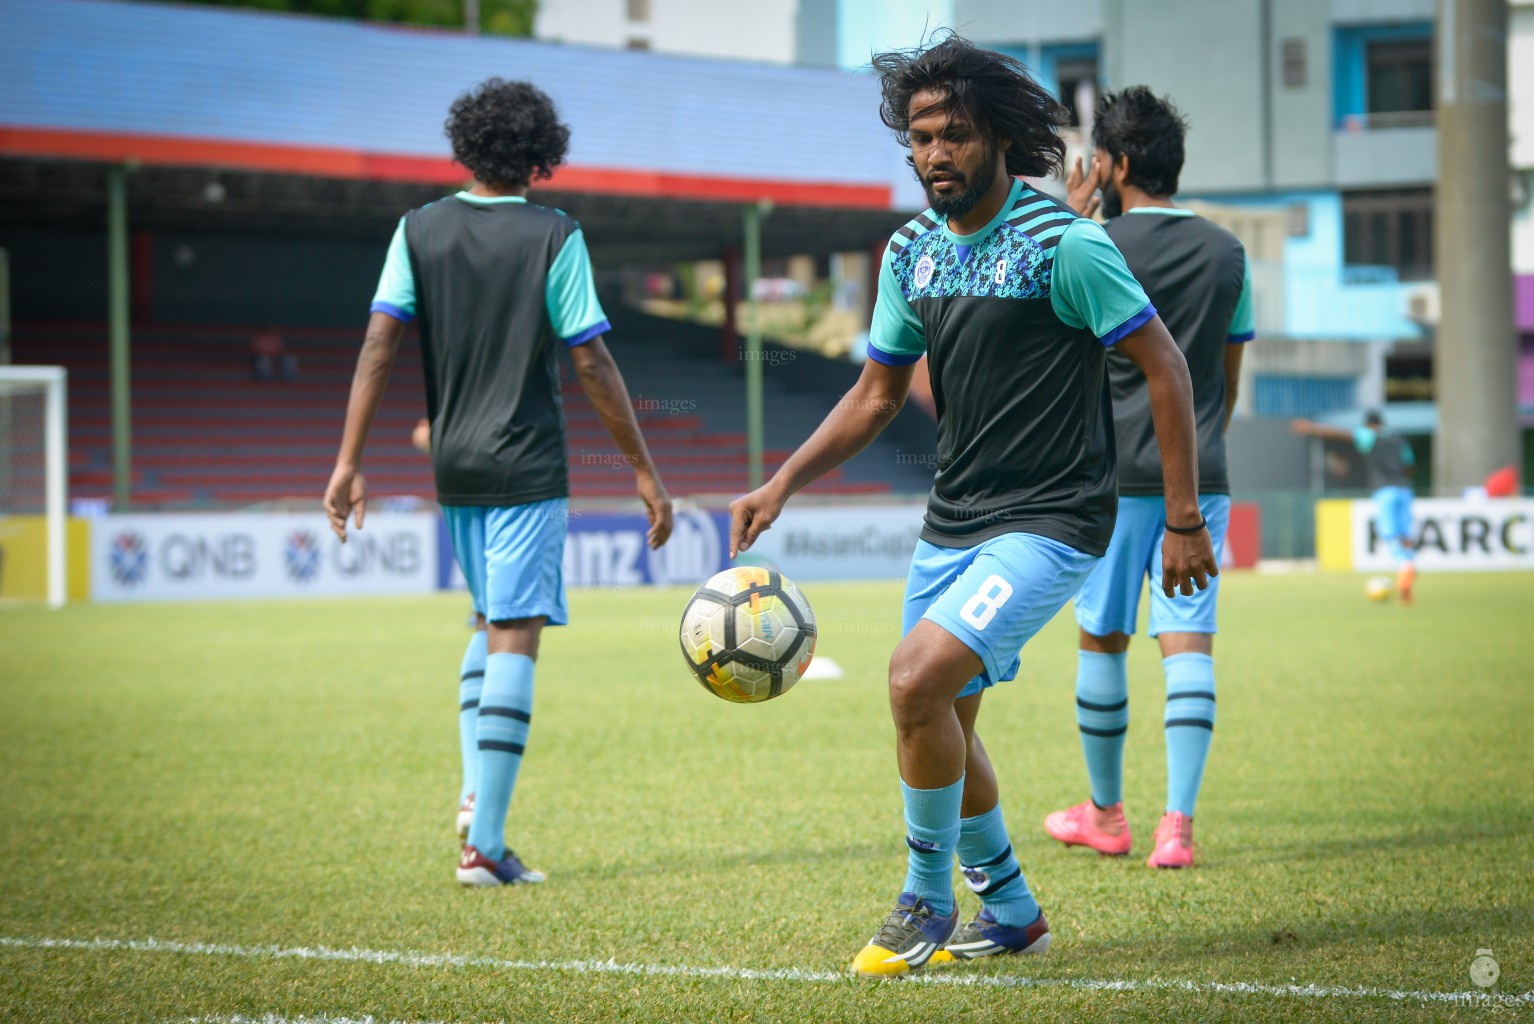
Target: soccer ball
(748,634)
(1377,589)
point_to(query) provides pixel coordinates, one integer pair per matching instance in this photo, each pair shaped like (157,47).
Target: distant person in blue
(1196,274)
(497,286)
(1015,301)
(1390,462)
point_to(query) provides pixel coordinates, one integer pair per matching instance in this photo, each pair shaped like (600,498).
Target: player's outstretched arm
(1310,428)
(603,383)
(855,421)
(1187,557)
(347,489)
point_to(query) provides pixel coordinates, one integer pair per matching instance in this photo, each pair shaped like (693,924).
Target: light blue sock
(505,712)
(1189,726)
(992,870)
(932,833)
(1102,716)
(471,678)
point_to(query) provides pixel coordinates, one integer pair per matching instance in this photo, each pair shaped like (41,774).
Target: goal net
(33,489)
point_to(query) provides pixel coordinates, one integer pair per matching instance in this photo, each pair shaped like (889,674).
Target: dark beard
(963,201)
(1113,201)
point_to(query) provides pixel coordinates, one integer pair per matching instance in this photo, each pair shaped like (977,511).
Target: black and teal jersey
(1196,273)
(1015,320)
(1388,457)
(495,283)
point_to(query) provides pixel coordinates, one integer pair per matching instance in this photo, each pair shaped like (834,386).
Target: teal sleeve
(571,294)
(1091,286)
(1243,326)
(1363,439)
(896,336)
(396,285)
(1407,455)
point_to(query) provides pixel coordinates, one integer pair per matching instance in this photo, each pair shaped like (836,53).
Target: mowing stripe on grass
(409,959)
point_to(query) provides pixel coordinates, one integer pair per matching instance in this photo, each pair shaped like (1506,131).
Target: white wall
(762,30)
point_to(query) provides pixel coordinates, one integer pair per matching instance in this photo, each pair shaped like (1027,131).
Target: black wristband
(1202,522)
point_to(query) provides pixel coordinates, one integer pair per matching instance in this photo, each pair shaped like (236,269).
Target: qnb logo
(130,558)
(301,556)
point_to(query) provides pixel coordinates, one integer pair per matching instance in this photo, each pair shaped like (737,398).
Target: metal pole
(117,316)
(471,17)
(752,225)
(1476,363)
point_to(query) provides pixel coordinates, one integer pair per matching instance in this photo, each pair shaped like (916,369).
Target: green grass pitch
(194,799)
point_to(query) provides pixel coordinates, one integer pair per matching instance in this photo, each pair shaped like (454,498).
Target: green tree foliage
(497,17)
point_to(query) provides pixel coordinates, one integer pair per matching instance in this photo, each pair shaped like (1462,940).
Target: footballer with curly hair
(496,285)
(1015,302)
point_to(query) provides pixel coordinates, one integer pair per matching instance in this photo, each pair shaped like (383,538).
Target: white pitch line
(942,977)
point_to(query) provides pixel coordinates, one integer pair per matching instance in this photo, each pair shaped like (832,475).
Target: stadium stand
(208,434)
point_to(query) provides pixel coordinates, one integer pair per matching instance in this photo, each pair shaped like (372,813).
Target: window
(1399,81)
(1078,85)
(639,10)
(1294,63)
(637,43)
(1391,229)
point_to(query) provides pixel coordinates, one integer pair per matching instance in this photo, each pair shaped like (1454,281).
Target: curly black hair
(507,133)
(994,92)
(1147,129)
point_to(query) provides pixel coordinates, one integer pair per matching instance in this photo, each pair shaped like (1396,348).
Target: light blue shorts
(994,596)
(513,558)
(1392,513)
(1110,599)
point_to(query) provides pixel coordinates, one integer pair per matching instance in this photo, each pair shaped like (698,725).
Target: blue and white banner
(173,557)
(609,550)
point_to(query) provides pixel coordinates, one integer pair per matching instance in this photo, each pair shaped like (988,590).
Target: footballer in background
(496,284)
(1196,274)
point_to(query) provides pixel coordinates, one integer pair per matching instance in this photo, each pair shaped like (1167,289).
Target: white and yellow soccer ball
(748,634)
(1378,588)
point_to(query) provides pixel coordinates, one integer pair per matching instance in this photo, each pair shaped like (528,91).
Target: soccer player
(497,285)
(1014,300)
(1389,459)
(1196,274)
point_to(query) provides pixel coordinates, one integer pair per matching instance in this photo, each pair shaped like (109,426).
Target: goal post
(34,464)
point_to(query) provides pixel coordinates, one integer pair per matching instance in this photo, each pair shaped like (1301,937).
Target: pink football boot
(1173,845)
(1103,829)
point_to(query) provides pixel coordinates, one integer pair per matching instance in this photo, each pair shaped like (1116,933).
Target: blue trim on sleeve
(1241,339)
(600,327)
(391,309)
(1129,326)
(878,355)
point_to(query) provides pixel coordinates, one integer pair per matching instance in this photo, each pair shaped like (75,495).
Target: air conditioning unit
(1422,304)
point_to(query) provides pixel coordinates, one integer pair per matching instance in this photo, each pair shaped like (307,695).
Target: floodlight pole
(752,225)
(117,317)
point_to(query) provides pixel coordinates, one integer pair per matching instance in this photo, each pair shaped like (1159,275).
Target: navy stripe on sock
(468,705)
(475,674)
(1190,695)
(1120,706)
(513,713)
(994,860)
(996,885)
(501,745)
(1199,722)
(1104,732)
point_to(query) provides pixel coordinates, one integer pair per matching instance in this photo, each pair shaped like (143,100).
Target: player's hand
(657,508)
(348,490)
(1081,189)
(751,514)
(1187,562)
